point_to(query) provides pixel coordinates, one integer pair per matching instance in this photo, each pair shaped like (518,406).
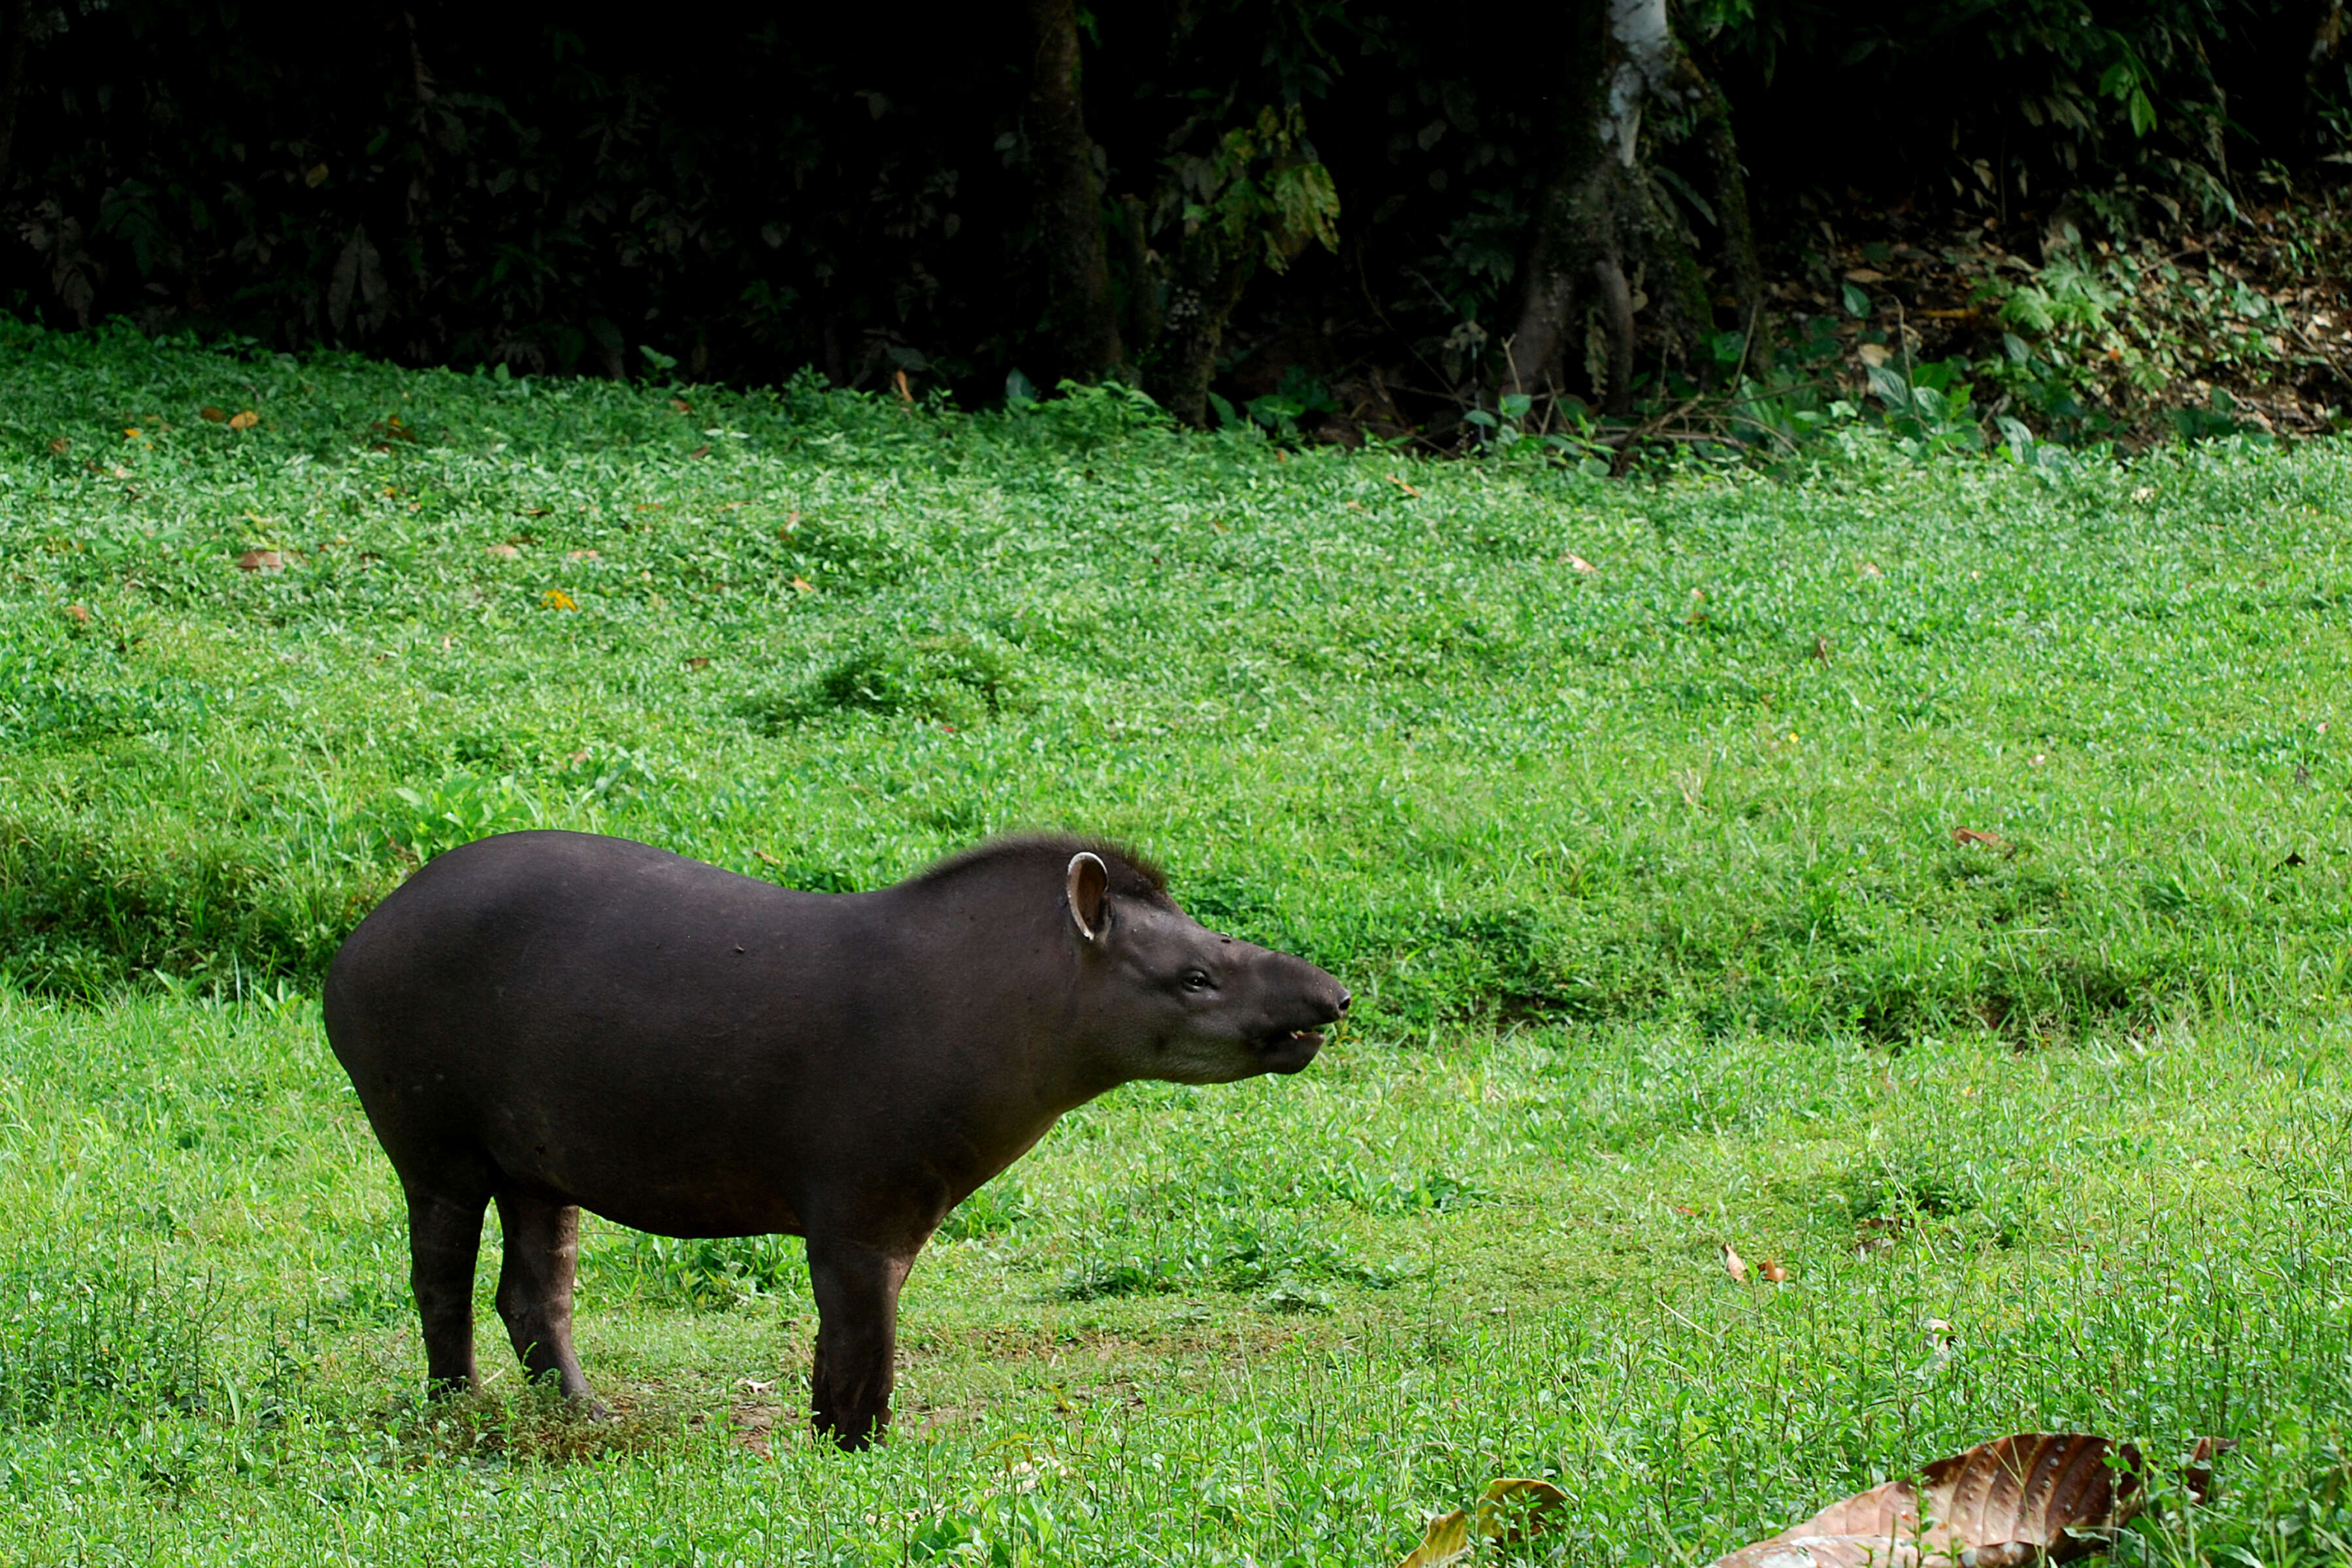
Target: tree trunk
(1083,315)
(16,46)
(1209,274)
(1599,222)
(1729,183)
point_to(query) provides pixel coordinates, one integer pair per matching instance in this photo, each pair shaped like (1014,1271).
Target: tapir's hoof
(848,1440)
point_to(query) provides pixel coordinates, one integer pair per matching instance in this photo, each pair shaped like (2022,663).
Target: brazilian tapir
(559,1021)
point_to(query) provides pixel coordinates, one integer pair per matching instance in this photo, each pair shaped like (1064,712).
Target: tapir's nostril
(1345,997)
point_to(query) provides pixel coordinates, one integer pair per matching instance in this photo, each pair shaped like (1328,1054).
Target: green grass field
(1630,811)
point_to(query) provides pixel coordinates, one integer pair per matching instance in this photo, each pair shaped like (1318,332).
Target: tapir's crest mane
(1132,875)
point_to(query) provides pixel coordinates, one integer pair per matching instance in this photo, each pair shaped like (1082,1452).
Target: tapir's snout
(1302,999)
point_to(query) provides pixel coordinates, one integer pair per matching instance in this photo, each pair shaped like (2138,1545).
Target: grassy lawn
(1629,812)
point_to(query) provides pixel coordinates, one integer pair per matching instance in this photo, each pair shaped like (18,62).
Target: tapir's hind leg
(856,1290)
(542,1254)
(445,1233)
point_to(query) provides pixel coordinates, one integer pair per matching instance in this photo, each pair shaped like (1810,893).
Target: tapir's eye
(1196,980)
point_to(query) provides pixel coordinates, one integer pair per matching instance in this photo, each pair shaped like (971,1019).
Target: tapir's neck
(1009,1035)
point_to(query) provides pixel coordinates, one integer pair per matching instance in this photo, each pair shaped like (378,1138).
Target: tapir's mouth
(1287,1051)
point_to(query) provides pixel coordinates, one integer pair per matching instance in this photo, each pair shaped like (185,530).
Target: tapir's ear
(1089,895)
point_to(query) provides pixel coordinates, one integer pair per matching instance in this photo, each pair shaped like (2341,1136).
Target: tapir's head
(1171,999)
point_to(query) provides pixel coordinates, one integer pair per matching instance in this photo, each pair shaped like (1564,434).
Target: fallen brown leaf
(701,451)
(681,404)
(261,561)
(502,550)
(212,415)
(1402,486)
(246,420)
(1870,569)
(1821,649)
(1579,564)
(582,555)
(59,446)
(700,662)
(1516,1508)
(557,599)
(898,381)
(765,858)
(802,585)
(1771,1270)
(1984,840)
(1733,1264)
(1447,1539)
(79,613)
(1864,275)
(2031,1498)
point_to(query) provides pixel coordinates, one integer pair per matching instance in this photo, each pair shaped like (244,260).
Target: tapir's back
(663,1041)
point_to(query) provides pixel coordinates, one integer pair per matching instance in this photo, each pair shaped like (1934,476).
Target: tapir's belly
(676,1048)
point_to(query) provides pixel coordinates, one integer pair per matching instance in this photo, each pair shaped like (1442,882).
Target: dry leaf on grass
(244,421)
(1447,1539)
(1733,1264)
(79,613)
(261,561)
(1516,1508)
(557,599)
(1402,486)
(2033,1498)
(1772,1269)
(1965,836)
(503,550)
(1579,564)
(1511,1510)
(212,415)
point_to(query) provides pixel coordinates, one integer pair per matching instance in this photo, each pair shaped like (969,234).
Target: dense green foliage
(751,194)
(1628,809)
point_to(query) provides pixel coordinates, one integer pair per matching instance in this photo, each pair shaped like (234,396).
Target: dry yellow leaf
(244,420)
(1518,1507)
(557,599)
(1447,1539)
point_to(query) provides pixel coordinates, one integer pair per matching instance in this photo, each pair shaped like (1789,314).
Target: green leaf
(1857,303)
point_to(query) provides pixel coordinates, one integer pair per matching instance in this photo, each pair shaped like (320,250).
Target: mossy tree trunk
(1083,315)
(1602,222)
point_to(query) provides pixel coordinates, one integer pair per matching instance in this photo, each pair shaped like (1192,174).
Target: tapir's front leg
(856,1289)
